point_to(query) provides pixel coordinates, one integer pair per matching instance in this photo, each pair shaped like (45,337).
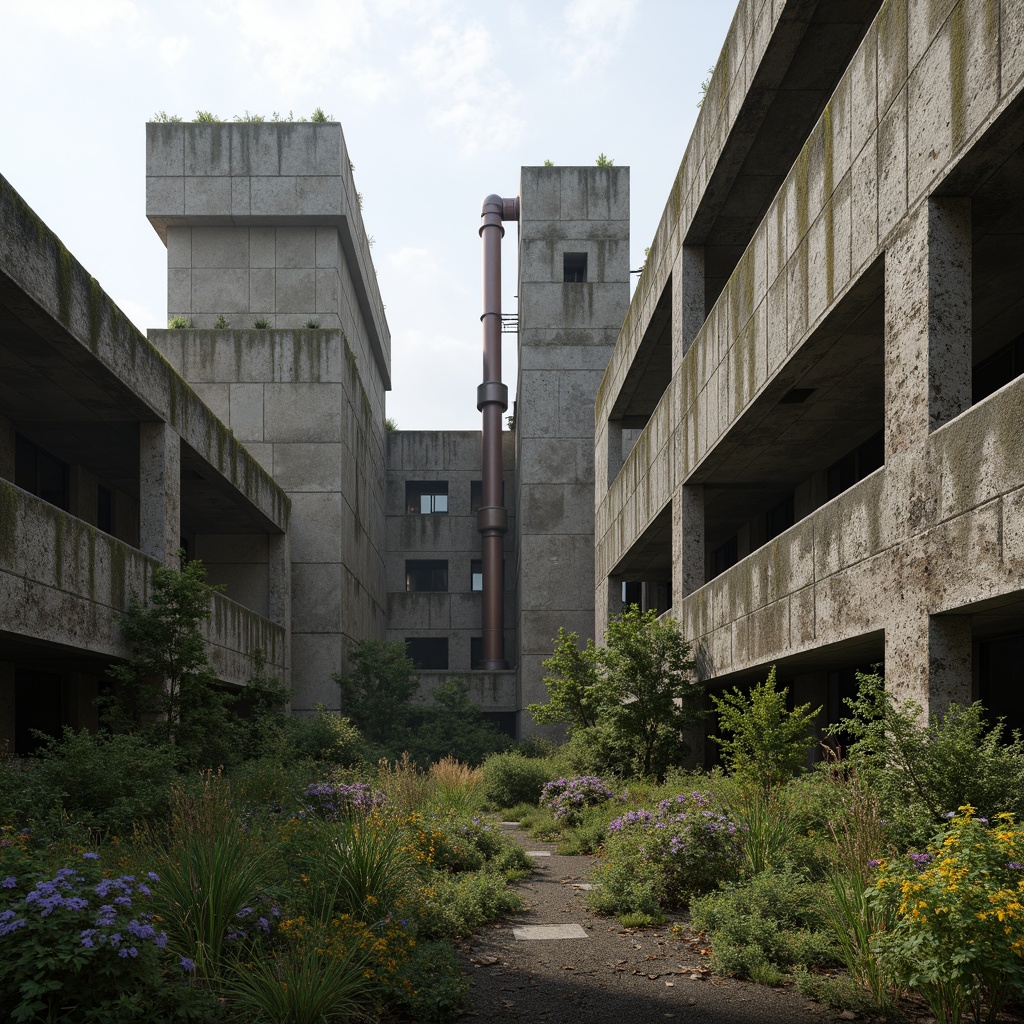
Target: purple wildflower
(187,964)
(9,882)
(90,856)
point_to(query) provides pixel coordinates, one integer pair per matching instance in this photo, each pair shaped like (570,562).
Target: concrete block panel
(316,528)
(327,291)
(542,188)
(241,197)
(295,291)
(179,247)
(262,291)
(220,247)
(863,72)
(315,658)
(308,467)
(316,598)
(319,194)
(864,239)
(892,165)
(576,390)
(220,291)
(296,247)
(297,152)
(271,197)
(327,247)
(265,144)
(303,412)
(208,197)
(207,151)
(179,292)
(247,411)
(165,151)
(165,197)
(555,570)
(262,248)
(1011,50)
(891,42)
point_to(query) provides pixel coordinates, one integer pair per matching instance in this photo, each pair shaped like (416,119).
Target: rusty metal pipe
(492,401)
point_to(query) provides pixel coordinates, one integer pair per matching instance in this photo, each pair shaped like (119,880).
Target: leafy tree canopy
(377,692)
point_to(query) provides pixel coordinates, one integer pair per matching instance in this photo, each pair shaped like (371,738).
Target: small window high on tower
(574,267)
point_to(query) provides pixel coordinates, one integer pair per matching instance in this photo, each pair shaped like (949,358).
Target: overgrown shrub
(766,926)
(435,988)
(566,798)
(664,857)
(453,905)
(958,921)
(326,738)
(512,778)
(921,773)
(106,783)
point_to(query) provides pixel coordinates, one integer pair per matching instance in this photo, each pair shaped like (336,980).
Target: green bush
(436,987)
(326,738)
(511,778)
(456,904)
(766,926)
(105,783)
(922,773)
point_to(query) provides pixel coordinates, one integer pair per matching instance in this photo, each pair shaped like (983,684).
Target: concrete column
(613,435)
(688,541)
(928,660)
(927,323)
(7,708)
(160,492)
(688,313)
(607,604)
(279,603)
(6,448)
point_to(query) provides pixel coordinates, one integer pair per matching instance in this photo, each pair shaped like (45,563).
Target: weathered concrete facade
(108,463)
(262,226)
(573,295)
(817,484)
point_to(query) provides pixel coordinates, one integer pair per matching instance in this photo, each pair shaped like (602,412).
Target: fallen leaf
(568,967)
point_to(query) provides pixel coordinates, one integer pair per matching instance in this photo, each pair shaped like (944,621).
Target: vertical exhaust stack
(492,401)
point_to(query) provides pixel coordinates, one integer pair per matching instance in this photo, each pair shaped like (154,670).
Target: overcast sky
(441,102)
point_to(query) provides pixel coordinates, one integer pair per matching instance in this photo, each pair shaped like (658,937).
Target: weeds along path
(608,974)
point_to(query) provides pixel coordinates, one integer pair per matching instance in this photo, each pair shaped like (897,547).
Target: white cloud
(296,46)
(472,98)
(75,18)
(595,29)
(172,49)
(370,84)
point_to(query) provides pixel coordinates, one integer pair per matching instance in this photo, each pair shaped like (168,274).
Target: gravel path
(614,975)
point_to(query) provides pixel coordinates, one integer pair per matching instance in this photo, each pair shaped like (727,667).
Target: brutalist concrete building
(802,438)
(823,355)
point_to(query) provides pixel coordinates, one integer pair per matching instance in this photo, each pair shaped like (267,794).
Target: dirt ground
(616,975)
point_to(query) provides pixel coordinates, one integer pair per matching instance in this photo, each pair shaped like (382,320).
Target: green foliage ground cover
(198,859)
(893,872)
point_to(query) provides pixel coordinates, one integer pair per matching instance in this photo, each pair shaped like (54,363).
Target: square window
(574,267)
(476,574)
(426,497)
(476,652)
(423,575)
(428,652)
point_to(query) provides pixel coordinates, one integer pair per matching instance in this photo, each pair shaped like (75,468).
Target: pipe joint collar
(491,391)
(492,519)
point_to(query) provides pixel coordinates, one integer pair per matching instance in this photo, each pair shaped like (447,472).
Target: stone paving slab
(538,853)
(528,932)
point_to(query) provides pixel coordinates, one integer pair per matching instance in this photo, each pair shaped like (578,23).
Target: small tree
(167,688)
(767,744)
(576,691)
(648,666)
(376,694)
(453,726)
(628,700)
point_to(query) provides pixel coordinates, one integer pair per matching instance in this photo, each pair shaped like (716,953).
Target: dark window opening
(105,509)
(476,574)
(426,575)
(856,465)
(476,494)
(426,497)
(1001,680)
(632,593)
(428,652)
(574,267)
(1000,368)
(476,652)
(780,518)
(40,473)
(725,556)
(41,703)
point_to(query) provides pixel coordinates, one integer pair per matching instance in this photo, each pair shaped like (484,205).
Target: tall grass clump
(213,874)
